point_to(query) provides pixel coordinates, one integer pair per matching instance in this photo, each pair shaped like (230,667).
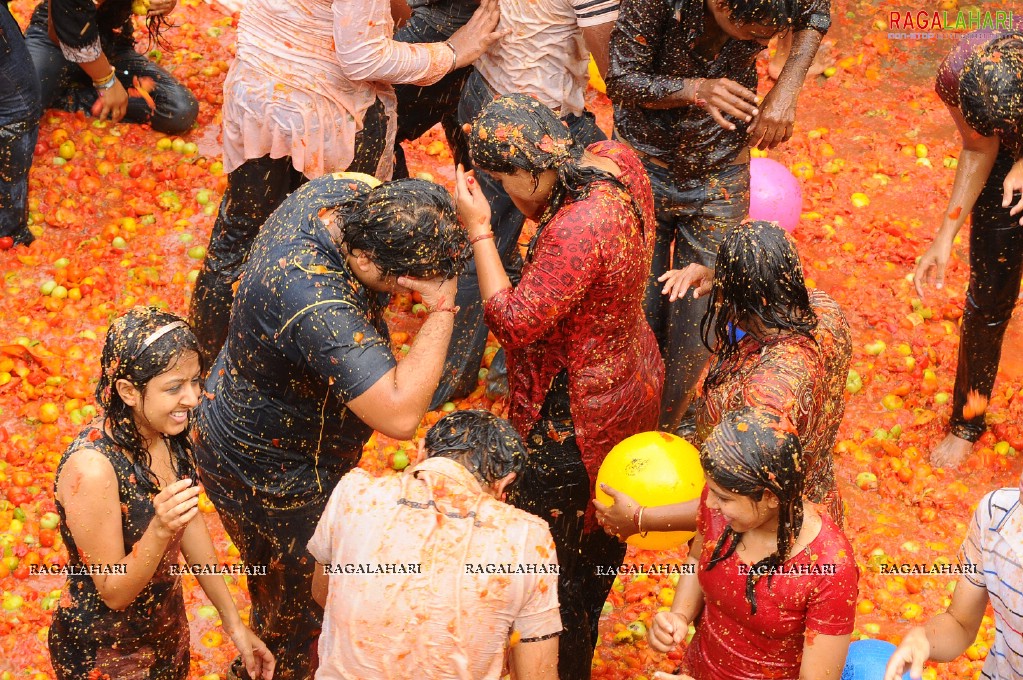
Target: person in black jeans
(85,60)
(683,80)
(981,83)
(19,127)
(420,108)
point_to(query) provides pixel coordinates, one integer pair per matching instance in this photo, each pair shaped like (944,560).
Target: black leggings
(254,190)
(996,263)
(556,487)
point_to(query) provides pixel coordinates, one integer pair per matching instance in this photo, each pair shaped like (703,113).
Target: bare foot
(951,452)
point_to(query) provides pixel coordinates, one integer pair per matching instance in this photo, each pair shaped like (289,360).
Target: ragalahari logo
(949,24)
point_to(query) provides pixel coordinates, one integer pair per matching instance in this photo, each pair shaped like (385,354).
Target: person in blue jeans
(19,128)
(85,59)
(683,79)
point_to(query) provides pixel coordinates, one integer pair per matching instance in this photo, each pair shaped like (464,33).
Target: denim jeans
(996,263)
(19,127)
(64,85)
(469,340)
(420,108)
(692,219)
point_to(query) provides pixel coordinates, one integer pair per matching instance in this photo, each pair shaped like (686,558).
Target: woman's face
(167,399)
(741,512)
(529,197)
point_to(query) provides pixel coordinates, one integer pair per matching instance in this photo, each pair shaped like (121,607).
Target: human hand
(617,517)
(931,267)
(1013,184)
(478,34)
(678,281)
(774,123)
(913,651)
(175,506)
(470,203)
(112,102)
(161,7)
(667,631)
(720,96)
(259,662)
(438,292)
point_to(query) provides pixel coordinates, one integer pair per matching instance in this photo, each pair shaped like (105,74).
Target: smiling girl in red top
(774,593)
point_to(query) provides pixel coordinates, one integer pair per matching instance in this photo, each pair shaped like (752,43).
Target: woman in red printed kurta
(583,366)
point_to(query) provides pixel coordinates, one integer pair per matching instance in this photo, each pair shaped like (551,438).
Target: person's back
(446,603)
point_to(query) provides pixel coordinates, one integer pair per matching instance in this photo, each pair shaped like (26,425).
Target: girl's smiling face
(162,407)
(741,512)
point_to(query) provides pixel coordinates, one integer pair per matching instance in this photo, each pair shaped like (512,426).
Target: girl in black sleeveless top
(128,502)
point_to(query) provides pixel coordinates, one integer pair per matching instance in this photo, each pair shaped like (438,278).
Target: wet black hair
(778,14)
(488,446)
(128,356)
(757,274)
(406,227)
(991,88)
(748,453)
(517,132)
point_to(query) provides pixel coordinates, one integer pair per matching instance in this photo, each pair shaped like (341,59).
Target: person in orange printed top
(429,574)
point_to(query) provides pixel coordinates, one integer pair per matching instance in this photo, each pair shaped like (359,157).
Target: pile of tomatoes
(122,215)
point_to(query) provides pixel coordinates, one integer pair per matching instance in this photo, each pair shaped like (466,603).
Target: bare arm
(823,656)
(321,584)
(597,40)
(87,488)
(972,172)
(397,402)
(535,660)
(945,636)
(776,119)
(197,547)
(669,629)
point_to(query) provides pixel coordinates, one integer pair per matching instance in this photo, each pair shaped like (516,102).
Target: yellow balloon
(360,176)
(596,82)
(654,468)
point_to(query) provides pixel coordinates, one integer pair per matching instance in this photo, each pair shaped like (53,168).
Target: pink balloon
(774,194)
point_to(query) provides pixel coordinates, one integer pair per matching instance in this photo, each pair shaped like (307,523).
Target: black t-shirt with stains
(304,339)
(653,50)
(80,23)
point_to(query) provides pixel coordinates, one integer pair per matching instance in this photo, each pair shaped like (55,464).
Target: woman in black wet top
(981,83)
(128,504)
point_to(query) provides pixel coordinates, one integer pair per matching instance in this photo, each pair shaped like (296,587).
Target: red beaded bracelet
(481,237)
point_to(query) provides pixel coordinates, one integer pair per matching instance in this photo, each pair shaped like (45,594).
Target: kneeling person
(428,573)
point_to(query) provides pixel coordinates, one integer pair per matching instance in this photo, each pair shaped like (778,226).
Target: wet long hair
(991,88)
(406,227)
(140,345)
(488,446)
(757,275)
(517,132)
(777,14)
(748,453)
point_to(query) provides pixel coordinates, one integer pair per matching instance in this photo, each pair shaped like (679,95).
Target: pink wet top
(306,72)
